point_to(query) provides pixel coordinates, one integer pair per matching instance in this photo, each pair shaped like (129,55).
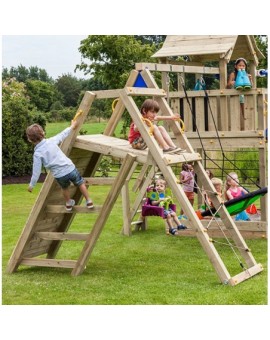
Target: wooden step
(39,262)
(61,209)
(184,157)
(51,235)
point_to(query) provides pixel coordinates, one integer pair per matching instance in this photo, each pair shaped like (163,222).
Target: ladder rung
(139,91)
(51,235)
(48,263)
(136,222)
(181,158)
(61,209)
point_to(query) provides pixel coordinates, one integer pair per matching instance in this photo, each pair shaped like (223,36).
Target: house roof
(202,48)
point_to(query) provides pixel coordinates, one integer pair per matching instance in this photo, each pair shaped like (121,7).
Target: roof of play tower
(203,48)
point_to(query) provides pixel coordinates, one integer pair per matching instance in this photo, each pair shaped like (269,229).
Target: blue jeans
(74,177)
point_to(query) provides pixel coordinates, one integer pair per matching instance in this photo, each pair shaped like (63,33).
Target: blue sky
(57,54)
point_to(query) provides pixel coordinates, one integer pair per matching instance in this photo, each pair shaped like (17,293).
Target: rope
(223,154)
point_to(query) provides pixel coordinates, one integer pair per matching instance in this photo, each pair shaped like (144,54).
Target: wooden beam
(61,209)
(176,68)
(140,91)
(246,274)
(48,263)
(51,235)
(99,180)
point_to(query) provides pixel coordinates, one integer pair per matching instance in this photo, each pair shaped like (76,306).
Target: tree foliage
(112,57)
(22,74)
(16,116)
(262,43)
(70,88)
(42,94)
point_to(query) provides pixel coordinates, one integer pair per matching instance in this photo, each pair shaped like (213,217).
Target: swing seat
(154,210)
(236,205)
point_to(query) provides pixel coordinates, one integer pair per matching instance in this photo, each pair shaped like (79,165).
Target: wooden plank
(48,263)
(250,108)
(140,91)
(200,119)
(181,158)
(106,94)
(245,275)
(99,180)
(229,139)
(61,209)
(126,209)
(62,236)
(213,106)
(216,93)
(234,114)
(176,68)
(109,146)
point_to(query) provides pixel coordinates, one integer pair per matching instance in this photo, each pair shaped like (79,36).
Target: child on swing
(48,154)
(233,190)
(160,186)
(149,111)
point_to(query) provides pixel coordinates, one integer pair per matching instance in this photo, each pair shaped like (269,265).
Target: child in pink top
(233,190)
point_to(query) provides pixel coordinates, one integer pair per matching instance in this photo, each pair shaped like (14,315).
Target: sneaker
(173,231)
(89,204)
(182,217)
(179,150)
(170,150)
(69,205)
(181,227)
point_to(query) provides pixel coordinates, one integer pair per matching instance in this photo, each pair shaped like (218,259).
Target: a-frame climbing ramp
(48,223)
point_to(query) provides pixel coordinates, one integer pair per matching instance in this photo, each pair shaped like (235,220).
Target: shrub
(16,116)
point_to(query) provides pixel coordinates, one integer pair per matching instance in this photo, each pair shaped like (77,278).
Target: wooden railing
(221,109)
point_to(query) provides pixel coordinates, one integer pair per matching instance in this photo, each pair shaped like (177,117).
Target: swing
(154,210)
(236,205)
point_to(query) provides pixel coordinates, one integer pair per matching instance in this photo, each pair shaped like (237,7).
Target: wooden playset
(48,223)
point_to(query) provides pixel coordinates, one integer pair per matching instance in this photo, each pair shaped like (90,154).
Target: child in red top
(149,111)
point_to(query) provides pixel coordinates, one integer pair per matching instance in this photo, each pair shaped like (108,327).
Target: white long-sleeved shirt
(48,154)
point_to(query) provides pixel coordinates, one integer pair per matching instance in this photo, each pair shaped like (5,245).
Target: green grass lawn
(148,268)
(89,127)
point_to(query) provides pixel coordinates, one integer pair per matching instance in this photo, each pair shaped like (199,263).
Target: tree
(42,94)
(70,88)
(16,151)
(22,74)
(262,43)
(112,57)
